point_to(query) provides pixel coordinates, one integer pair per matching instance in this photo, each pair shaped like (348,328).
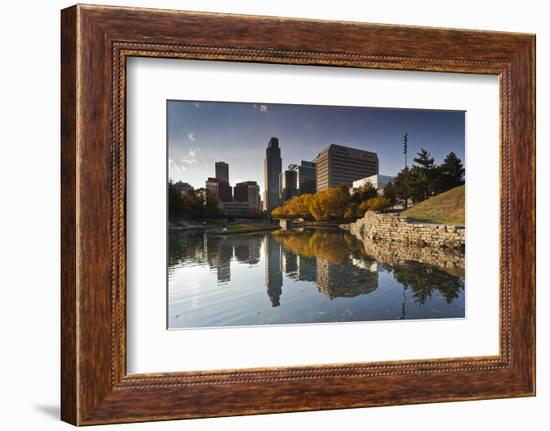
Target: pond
(306,276)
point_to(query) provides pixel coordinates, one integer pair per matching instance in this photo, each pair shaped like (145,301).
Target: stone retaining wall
(393,254)
(393,228)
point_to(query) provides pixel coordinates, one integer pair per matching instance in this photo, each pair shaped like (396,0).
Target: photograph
(305,214)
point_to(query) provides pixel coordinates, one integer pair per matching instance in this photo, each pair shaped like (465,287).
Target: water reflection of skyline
(333,260)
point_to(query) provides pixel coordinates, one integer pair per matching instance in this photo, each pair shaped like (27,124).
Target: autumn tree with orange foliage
(330,204)
(333,204)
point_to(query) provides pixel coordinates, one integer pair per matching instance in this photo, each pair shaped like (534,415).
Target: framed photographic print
(268,215)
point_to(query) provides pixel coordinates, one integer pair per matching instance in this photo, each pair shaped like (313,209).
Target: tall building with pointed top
(272,170)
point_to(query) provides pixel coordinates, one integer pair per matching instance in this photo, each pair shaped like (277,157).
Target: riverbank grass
(239,228)
(445,208)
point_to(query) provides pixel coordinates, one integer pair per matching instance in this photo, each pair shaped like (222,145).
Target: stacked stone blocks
(394,228)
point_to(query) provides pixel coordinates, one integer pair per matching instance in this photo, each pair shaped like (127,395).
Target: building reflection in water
(216,251)
(219,254)
(307,268)
(247,249)
(338,264)
(273,272)
(289,264)
(317,258)
(340,268)
(345,281)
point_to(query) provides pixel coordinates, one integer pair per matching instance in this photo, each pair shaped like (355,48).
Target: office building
(222,171)
(337,165)
(297,180)
(377,181)
(305,177)
(247,191)
(237,209)
(220,188)
(287,185)
(272,170)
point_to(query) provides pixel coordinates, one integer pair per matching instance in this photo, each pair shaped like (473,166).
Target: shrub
(378,204)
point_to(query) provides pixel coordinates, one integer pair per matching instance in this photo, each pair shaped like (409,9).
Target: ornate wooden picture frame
(96,41)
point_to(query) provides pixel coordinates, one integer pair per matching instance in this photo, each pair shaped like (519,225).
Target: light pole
(406,174)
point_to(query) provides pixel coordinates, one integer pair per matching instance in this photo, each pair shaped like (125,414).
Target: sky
(201,133)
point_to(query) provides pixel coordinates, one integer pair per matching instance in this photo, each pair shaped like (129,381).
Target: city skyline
(203,133)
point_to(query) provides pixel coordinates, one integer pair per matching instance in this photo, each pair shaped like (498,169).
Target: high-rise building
(287,185)
(337,165)
(297,180)
(220,188)
(222,171)
(247,191)
(305,177)
(272,170)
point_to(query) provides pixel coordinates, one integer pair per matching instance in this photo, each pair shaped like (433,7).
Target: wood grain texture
(68,218)
(96,41)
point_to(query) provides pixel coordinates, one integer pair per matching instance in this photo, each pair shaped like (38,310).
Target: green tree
(209,204)
(176,204)
(363,193)
(402,186)
(201,204)
(350,214)
(423,176)
(451,173)
(390,192)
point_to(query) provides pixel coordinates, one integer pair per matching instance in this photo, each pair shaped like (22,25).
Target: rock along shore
(396,229)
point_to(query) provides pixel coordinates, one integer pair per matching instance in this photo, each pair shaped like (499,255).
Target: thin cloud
(173,165)
(261,108)
(197,105)
(191,136)
(190,159)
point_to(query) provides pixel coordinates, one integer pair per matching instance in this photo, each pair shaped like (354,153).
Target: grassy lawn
(242,228)
(320,223)
(447,208)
